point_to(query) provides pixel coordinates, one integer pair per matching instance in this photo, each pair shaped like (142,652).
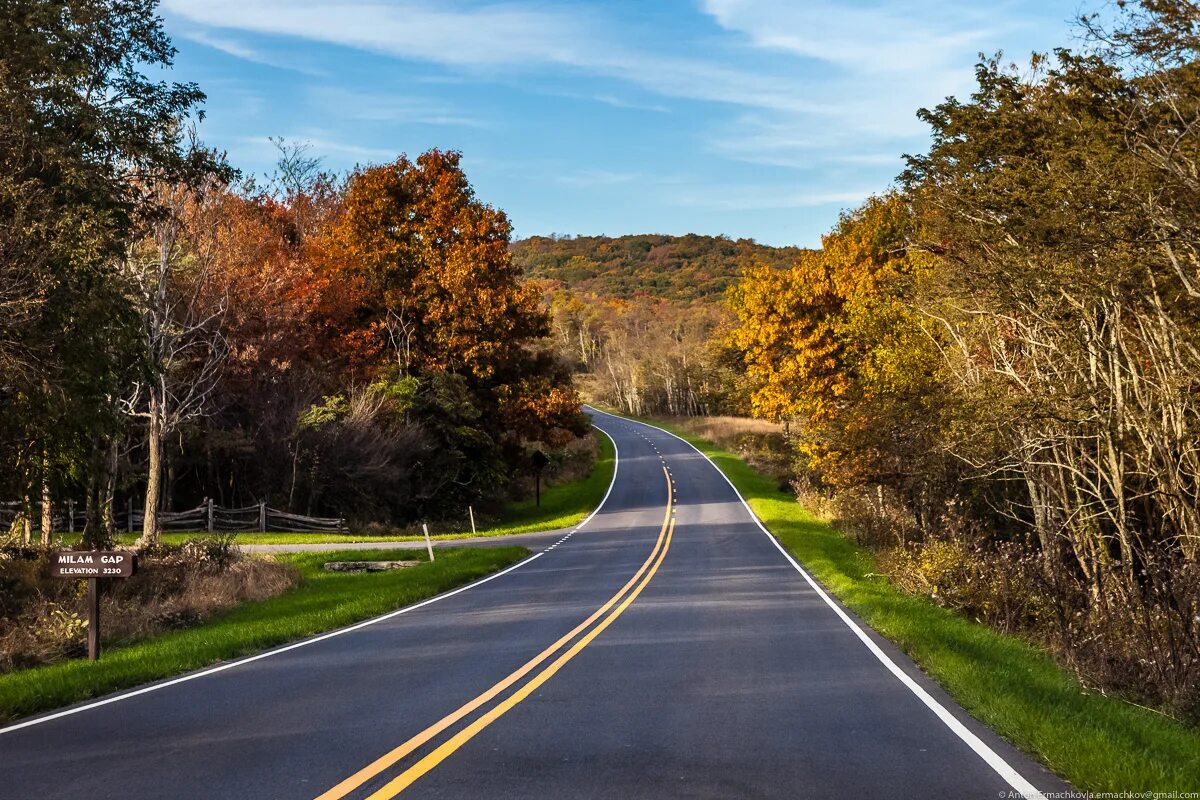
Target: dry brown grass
(724,431)
(759,442)
(43,619)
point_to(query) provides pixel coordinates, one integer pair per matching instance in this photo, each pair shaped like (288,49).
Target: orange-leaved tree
(433,291)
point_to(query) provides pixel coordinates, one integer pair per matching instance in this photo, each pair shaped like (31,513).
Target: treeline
(644,355)
(678,268)
(359,345)
(993,372)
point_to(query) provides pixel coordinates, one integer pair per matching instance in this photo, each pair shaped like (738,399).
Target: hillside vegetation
(676,268)
(635,315)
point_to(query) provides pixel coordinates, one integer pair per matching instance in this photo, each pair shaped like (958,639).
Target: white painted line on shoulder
(611,483)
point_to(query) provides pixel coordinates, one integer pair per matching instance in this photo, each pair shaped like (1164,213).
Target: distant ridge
(679,268)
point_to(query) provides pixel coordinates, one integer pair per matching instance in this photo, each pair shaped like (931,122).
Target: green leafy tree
(84,133)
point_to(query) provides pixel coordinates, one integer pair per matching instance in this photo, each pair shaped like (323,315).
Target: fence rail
(207,516)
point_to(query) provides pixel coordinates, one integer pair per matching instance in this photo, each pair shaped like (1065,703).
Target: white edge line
(320,638)
(611,483)
(993,759)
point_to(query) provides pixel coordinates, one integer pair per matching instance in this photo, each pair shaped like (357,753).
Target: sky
(749,118)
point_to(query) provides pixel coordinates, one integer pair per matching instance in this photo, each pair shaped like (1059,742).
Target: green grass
(322,602)
(563,506)
(1098,743)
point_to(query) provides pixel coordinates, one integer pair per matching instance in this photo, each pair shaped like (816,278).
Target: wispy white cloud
(620,102)
(320,146)
(238,49)
(498,36)
(877,38)
(881,61)
(889,62)
(769,196)
(390,107)
(481,36)
(596,177)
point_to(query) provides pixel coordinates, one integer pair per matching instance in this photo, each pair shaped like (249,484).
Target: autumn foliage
(991,373)
(385,309)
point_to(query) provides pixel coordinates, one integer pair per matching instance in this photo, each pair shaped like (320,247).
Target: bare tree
(296,171)
(182,324)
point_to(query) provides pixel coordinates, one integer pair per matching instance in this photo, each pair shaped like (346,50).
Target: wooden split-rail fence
(207,517)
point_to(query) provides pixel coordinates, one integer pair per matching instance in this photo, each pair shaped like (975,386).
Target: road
(668,648)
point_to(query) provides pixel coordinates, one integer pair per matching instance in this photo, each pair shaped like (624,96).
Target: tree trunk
(47,502)
(154,447)
(27,518)
(94,537)
(108,498)
(291,501)
(168,493)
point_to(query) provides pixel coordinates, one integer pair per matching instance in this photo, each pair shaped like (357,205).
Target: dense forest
(635,314)
(359,345)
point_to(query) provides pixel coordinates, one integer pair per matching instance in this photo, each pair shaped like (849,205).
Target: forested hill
(674,267)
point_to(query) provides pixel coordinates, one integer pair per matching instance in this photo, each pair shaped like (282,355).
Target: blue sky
(752,118)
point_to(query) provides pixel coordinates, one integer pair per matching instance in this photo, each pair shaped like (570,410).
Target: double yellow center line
(622,600)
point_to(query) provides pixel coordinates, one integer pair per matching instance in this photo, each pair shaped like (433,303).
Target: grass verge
(563,506)
(322,602)
(1098,743)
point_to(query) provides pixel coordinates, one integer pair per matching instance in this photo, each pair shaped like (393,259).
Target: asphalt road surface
(668,648)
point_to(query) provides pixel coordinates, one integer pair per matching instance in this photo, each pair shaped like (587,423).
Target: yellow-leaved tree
(833,347)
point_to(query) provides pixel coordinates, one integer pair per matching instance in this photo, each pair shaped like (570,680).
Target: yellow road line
(392,757)
(406,778)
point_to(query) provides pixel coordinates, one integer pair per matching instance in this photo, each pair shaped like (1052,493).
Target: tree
(435,291)
(182,325)
(83,129)
(835,346)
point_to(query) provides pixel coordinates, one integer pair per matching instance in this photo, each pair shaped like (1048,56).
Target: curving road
(667,648)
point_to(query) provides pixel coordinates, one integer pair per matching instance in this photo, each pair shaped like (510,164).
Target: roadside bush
(1145,650)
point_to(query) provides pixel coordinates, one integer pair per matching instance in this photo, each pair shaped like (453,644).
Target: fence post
(70,516)
(129,514)
(209,503)
(428,544)
(262,516)
(471,511)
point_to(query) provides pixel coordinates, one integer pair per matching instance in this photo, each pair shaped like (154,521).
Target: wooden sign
(93,564)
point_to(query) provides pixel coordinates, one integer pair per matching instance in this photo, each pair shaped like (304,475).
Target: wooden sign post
(93,565)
